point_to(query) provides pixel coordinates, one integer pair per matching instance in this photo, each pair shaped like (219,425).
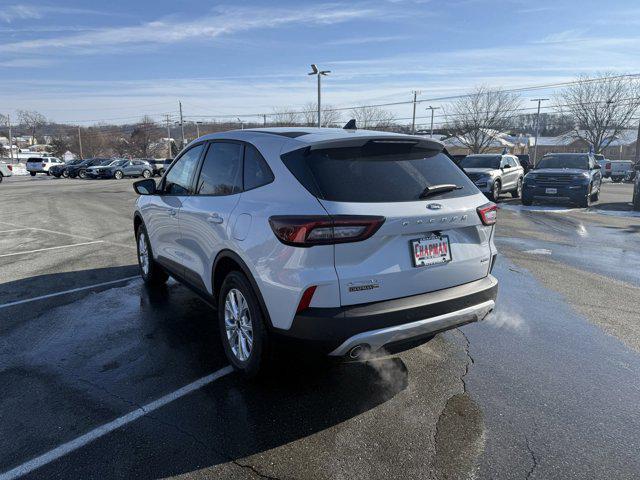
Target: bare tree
(59,145)
(372,117)
(602,107)
(94,142)
(145,133)
(329,116)
(33,120)
(285,117)
(478,117)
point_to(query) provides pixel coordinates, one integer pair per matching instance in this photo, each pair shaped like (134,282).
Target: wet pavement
(547,387)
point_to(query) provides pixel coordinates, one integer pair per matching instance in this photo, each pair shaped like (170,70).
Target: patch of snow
(539,251)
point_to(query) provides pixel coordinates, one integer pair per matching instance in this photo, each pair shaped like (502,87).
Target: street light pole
(181,126)
(535,144)
(198,129)
(319,73)
(10,139)
(432,109)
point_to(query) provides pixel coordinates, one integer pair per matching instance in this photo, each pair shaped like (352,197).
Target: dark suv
(567,177)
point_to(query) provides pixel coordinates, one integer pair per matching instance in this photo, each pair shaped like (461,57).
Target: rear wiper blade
(435,189)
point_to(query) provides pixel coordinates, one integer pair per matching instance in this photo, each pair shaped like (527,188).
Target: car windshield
(118,163)
(564,161)
(73,162)
(481,161)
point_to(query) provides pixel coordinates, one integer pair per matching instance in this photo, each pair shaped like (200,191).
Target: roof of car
(307,136)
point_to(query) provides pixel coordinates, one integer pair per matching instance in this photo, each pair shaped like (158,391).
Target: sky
(112,62)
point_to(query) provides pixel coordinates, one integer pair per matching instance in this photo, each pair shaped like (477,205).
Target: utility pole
(10,139)
(264,119)
(319,73)
(168,122)
(413,121)
(637,159)
(241,122)
(181,126)
(80,142)
(198,129)
(432,109)
(535,144)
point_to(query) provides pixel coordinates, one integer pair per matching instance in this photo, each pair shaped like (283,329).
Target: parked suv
(494,174)
(41,164)
(345,241)
(6,170)
(565,177)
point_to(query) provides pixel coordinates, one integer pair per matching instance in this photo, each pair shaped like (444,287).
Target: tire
(517,193)
(247,326)
(65,174)
(118,175)
(1,177)
(48,173)
(82,174)
(595,197)
(586,201)
(147,173)
(152,274)
(616,179)
(527,202)
(33,174)
(494,194)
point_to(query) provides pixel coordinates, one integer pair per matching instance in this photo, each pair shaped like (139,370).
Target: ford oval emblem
(434,206)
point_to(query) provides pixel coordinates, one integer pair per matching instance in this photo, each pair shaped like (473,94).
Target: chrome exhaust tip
(356,352)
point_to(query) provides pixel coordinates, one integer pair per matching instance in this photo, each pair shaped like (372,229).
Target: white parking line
(65,292)
(103,430)
(50,248)
(64,233)
(15,230)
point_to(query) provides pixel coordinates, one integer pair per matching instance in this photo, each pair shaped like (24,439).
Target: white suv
(346,240)
(41,164)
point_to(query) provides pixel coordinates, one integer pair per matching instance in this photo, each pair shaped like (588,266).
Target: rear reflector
(488,213)
(307,231)
(305,301)
(10,167)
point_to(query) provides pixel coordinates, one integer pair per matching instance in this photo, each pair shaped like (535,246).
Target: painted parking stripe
(15,230)
(103,430)
(67,234)
(51,248)
(66,292)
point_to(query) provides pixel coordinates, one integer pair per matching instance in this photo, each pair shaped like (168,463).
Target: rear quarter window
(376,172)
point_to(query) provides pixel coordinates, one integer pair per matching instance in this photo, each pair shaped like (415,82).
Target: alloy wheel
(238,325)
(143,253)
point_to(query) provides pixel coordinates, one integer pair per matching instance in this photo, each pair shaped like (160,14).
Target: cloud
(223,21)
(366,40)
(11,13)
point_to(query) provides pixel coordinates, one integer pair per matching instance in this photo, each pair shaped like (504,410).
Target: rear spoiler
(361,140)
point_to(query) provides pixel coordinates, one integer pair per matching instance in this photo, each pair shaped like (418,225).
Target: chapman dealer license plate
(433,250)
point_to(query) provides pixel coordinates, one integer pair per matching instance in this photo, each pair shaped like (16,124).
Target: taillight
(10,167)
(305,300)
(607,166)
(307,231)
(488,213)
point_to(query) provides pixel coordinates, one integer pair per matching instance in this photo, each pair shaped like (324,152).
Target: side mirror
(145,187)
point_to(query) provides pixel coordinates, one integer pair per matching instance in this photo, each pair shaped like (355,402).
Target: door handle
(215,218)
(172,212)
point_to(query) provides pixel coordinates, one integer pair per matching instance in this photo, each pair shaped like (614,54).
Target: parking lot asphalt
(105,379)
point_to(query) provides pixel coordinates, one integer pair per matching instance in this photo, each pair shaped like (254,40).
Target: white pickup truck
(617,170)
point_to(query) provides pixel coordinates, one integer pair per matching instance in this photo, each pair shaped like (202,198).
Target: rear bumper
(374,325)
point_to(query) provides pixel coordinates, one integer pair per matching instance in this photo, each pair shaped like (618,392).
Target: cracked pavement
(547,387)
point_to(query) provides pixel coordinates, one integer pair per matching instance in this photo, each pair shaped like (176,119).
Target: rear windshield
(481,161)
(564,161)
(39,160)
(376,172)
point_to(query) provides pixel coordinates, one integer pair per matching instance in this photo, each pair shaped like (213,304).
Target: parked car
(602,161)
(61,170)
(458,158)
(159,165)
(619,169)
(567,177)
(345,241)
(80,169)
(41,164)
(119,169)
(526,162)
(6,170)
(494,174)
(636,188)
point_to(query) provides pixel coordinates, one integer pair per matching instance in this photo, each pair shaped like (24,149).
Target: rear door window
(376,172)
(221,172)
(256,171)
